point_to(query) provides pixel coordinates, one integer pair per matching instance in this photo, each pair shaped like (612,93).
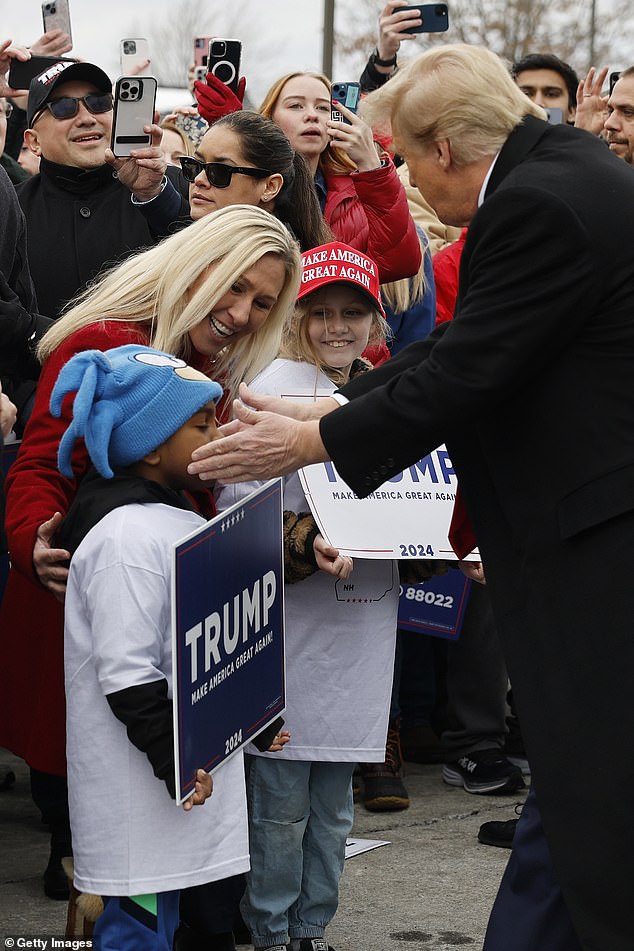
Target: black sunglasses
(218,174)
(67,107)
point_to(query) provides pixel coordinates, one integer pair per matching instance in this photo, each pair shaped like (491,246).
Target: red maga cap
(338,263)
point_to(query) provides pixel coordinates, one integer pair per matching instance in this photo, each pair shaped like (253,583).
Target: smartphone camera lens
(440,10)
(129,47)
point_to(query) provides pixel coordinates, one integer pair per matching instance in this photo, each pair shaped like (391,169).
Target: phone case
(21,74)
(435,17)
(133,51)
(133,109)
(224,61)
(555,116)
(201,50)
(56,16)
(194,127)
(348,95)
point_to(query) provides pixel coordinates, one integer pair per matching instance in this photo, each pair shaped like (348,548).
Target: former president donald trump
(532,388)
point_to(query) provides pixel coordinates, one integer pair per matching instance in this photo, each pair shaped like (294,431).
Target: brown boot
(384,790)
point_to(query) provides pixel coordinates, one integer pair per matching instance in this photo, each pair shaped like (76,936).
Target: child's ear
(153,458)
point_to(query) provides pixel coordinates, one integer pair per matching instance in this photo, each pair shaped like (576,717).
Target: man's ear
(443,153)
(31,139)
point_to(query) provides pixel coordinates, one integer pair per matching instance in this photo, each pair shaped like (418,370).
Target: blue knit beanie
(129,401)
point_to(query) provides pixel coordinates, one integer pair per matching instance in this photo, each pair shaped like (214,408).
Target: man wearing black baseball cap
(79,212)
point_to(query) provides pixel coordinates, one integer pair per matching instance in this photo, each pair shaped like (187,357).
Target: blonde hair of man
(458,92)
(153,288)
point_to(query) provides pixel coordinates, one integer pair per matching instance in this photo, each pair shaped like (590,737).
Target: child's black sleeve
(146,712)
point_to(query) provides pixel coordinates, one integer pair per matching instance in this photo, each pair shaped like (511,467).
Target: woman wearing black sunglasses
(245,158)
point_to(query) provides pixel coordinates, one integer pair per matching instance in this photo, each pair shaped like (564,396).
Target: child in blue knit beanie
(141,413)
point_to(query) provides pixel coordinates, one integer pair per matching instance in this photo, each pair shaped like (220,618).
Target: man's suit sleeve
(531,284)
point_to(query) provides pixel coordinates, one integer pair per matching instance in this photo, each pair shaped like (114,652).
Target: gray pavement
(431,889)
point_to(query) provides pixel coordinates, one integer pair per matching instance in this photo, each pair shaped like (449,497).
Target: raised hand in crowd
(54,43)
(144,171)
(136,69)
(592,106)
(216,100)
(392,27)
(8,52)
(356,140)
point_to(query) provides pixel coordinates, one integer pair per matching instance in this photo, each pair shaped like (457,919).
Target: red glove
(216,100)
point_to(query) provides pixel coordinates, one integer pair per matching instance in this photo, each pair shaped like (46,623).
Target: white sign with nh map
(406,517)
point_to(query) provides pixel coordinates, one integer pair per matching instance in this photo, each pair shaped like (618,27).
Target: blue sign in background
(436,606)
(228,614)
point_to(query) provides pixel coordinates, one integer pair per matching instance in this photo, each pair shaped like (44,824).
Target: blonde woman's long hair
(154,288)
(332,160)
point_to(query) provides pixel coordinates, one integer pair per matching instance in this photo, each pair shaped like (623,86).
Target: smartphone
(201,50)
(614,78)
(134,98)
(224,61)
(348,95)
(56,16)
(132,53)
(555,116)
(434,16)
(21,74)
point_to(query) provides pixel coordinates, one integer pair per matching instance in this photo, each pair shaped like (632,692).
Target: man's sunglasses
(67,107)
(218,174)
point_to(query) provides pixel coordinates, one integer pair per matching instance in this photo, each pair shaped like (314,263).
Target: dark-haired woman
(244,158)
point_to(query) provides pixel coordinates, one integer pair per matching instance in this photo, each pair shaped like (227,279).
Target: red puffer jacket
(369,211)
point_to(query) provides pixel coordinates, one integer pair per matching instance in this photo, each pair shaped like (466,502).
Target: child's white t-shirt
(340,635)
(129,836)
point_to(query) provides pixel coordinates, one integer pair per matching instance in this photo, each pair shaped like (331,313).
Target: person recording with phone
(244,158)
(610,116)
(358,189)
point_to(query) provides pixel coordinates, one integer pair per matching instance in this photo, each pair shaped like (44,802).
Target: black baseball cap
(63,71)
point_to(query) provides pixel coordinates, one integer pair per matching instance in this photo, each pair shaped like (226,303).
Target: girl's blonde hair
(332,160)
(155,288)
(401,295)
(297,346)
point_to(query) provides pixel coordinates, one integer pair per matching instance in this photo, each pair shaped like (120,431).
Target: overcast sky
(278,35)
(287,32)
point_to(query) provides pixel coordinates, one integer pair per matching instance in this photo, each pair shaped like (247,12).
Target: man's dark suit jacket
(531,386)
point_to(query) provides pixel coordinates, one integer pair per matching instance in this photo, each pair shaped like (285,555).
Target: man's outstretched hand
(261,445)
